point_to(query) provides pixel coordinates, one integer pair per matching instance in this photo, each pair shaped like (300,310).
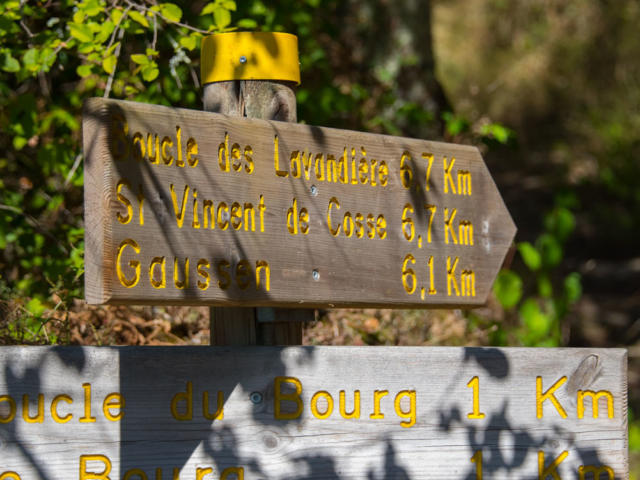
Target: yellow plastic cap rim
(249,56)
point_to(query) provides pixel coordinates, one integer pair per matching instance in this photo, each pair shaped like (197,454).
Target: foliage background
(549,90)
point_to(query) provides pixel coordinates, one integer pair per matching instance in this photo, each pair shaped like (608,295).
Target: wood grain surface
(400,222)
(140,410)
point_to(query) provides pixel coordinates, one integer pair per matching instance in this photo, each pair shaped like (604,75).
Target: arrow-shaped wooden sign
(190,207)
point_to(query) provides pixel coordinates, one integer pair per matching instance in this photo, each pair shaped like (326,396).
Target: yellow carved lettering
(158,262)
(103,475)
(153,153)
(135,471)
(9,476)
(448,228)
(477,460)
(544,472)
(181,284)
(125,201)
(276,159)
(294,397)
(39,416)
(377,397)
(408,415)
(597,472)
(595,397)
(179,160)
(223,154)
(262,265)
(219,413)
(448,180)
(54,409)
(87,418)
(201,472)
(429,157)
(314,404)
(237,471)
(113,401)
(187,398)
(548,395)
(202,267)
(192,151)
(167,158)
(183,209)
(451,276)
(355,413)
(474,383)
(12,409)
(134,264)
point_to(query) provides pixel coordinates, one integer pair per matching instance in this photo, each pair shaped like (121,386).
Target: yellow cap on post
(249,56)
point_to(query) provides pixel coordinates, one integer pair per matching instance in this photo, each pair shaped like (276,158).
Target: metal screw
(316,275)
(255,397)
(314,190)
(243,59)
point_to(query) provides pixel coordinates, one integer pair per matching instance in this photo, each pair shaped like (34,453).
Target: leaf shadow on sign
(23,380)
(499,431)
(248,436)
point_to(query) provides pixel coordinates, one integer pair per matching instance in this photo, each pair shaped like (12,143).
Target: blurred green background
(548,90)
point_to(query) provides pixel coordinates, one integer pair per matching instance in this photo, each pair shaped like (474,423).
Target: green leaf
(189,42)
(81,32)
(94,8)
(19,142)
(573,287)
(498,132)
(104,31)
(545,288)
(84,70)
(560,222)
(10,64)
(228,4)
(171,12)
(150,72)
(109,64)
(455,124)
(221,18)
(247,23)
(115,15)
(30,60)
(36,307)
(139,17)
(537,323)
(550,250)
(209,8)
(140,59)
(78,16)
(508,288)
(530,256)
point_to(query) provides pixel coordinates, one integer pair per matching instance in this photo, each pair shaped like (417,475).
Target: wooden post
(267,100)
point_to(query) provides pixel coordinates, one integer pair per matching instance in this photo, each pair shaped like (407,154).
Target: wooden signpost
(302,412)
(190,207)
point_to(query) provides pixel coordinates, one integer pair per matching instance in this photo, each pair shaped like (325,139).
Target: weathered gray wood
(438,439)
(406,263)
(268,101)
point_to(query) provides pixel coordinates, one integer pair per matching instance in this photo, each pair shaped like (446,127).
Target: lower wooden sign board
(312,412)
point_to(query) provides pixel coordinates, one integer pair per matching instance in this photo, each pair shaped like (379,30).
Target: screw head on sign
(256,398)
(314,190)
(243,59)
(316,275)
